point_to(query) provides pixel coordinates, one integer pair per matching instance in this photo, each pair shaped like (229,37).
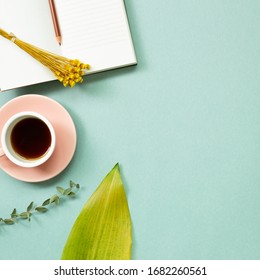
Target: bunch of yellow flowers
(67,71)
(71,72)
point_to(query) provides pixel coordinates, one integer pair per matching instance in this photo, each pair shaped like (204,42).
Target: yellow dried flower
(67,71)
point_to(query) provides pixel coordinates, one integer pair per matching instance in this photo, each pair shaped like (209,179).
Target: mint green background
(184,124)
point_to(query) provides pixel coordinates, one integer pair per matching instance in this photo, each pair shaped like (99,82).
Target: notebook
(94,31)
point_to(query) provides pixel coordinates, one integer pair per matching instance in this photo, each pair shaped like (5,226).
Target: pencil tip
(59,40)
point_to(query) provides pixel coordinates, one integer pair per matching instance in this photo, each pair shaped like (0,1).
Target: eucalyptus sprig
(32,208)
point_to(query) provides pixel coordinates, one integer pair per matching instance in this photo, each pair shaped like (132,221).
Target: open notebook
(93,31)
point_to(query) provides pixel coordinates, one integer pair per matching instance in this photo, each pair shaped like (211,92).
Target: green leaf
(54,199)
(8,221)
(24,215)
(67,191)
(57,201)
(72,184)
(71,194)
(30,206)
(46,202)
(102,230)
(41,209)
(60,190)
(14,213)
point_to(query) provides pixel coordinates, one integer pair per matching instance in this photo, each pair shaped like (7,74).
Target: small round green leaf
(60,190)
(30,206)
(54,198)
(71,194)
(8,221)
(46,202)
(14,214)
(41,209)
(24,215)
(67,191)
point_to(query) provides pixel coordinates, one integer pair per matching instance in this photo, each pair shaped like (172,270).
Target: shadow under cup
(28,139)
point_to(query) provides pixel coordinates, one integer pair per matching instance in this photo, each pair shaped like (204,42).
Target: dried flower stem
(67,71)
(32,208)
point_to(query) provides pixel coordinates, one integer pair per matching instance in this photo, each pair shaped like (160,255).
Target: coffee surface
(31,138)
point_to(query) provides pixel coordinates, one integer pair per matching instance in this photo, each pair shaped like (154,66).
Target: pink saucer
(65,137)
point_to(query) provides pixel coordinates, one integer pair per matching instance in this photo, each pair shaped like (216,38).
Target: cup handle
(1,152)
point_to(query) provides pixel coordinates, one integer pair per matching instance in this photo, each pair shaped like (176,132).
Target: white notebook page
(96,32)
(31,22)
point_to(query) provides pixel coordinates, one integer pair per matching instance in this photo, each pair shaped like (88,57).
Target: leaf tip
(117,166)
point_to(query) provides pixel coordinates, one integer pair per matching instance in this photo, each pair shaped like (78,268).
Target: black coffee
(31,138)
